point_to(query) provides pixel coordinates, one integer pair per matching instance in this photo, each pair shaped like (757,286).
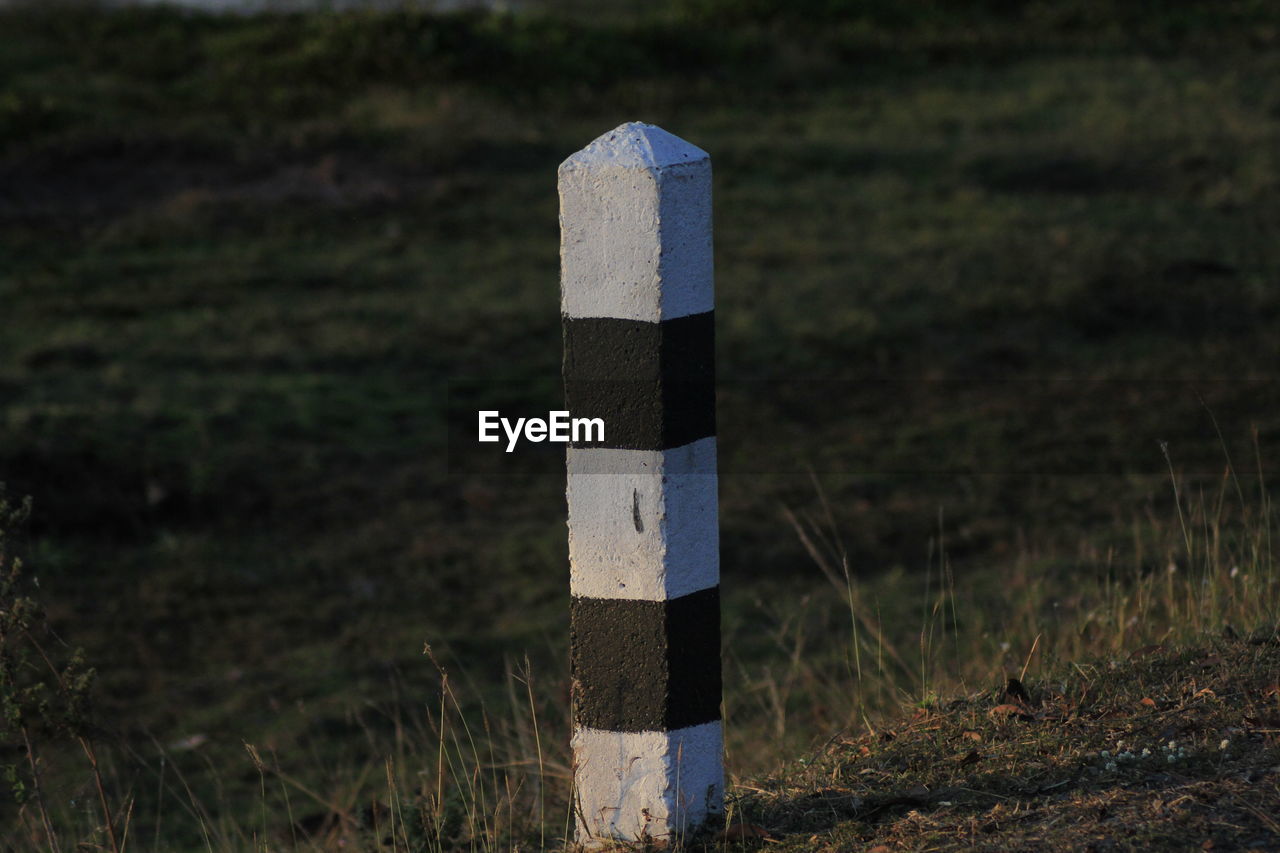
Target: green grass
(251,268)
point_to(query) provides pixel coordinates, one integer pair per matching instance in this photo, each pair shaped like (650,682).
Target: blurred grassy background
(973,266)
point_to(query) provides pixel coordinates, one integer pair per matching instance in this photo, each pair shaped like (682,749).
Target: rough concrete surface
(637,301)
(646,665)
(653,384)
(643,524)
(676,777)
(635,226)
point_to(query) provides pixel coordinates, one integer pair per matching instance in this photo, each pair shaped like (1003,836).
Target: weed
(45,698)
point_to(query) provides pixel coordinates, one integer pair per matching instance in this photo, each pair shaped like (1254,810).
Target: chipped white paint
(644,521)
(635,227)
(647,784)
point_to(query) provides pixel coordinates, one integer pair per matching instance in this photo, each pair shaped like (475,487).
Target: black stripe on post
(653,384)
(643,666)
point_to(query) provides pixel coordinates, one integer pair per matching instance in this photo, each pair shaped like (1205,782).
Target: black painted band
(642,666)
(653,384)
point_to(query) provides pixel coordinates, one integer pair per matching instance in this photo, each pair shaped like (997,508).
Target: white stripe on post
(637,300)
(608,489)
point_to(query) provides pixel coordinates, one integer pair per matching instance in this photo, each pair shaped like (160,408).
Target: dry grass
(1150,720)
(219,263)
(1173,749)
(857,656)
(1149,716)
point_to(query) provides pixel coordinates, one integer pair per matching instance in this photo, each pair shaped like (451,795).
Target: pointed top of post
(635,145)
(635,227)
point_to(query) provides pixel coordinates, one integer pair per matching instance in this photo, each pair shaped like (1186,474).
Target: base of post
(646,786)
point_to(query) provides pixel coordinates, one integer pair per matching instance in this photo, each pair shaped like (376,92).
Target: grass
(1172,749)
(973,268)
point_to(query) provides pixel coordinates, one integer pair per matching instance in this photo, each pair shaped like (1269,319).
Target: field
(997,294)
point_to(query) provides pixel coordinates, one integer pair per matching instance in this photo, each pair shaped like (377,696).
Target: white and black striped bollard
(637,299)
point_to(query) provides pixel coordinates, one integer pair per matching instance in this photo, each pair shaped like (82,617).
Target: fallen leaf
(1205,691)
(972,736)
(744,831)
(1020,710)
(1148,701)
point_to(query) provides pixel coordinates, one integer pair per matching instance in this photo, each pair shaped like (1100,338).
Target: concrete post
(644,552)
